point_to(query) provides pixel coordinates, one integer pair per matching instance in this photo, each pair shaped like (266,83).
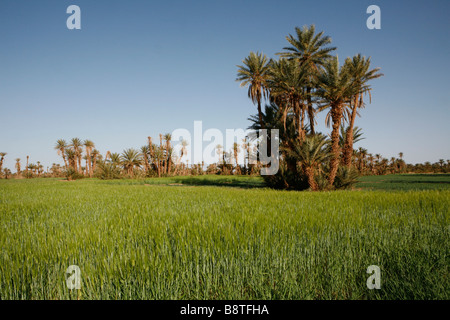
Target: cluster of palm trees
(150,160)
(72,154)
(304,80)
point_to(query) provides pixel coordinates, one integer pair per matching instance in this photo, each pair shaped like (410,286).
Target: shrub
(108,171)
(72,174)
(345,178)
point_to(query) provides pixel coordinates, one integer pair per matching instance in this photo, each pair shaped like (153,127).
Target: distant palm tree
(236,154)
(168,151)
(18,166)
(115,158)
(130,159)
(254,74)
(71,158)
(145,152)
(2,157)
(309,50)
(61,146)
(76,144)
(89,145)
(335,90)
(95,154)
(183,152)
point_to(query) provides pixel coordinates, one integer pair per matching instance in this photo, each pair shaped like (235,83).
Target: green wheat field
(224,238)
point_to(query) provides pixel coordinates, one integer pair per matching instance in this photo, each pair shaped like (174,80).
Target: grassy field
(403,182)
(223,238)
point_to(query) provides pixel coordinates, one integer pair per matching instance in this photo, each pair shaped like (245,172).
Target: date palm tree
(131,158)
(71,158)
(2,157)
(236,154)
(311,52)
(95,154)
(76,144)
(168,152)
(336,89)
(145,152)
(287,88)
(311,153)
(18,166)
(61,146)
(254,73)
(359,70)
(89,145)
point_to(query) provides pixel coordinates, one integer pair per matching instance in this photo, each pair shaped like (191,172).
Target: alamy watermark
(374,281)
(201,147)
(74,280)
(374,21)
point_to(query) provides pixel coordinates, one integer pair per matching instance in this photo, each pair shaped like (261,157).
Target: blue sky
(140,68)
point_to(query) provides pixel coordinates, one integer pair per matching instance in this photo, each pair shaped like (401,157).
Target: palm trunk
(302,127)
(310,111)
(336,115)
(261,122)
(90,163)
(79,164)
(348,146)
(311,181)
(94,163)
(64,158)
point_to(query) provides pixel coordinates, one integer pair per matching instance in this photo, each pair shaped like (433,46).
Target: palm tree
(89,145)
(76,144)
(236,154)
(95,154)
(145,151)
(115,158)
(2,157)
(309,50)
(61,146)
(183,152)
(360,73)
(71,158)
(311,154)
(287,83)
(130,159)
(246,148)
(28,157)
(219,149)
(254,74)
(168,149)
(18,166)
(335,90)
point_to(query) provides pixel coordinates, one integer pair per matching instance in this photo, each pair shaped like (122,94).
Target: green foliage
(346,178)
(72,174)
(286,179)
(108,171)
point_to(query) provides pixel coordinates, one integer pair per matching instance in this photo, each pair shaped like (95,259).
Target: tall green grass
(203,242)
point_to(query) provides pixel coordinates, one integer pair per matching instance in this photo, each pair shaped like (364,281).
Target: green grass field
(223,238)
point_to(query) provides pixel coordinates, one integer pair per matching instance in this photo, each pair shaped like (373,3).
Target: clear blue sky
(140,68)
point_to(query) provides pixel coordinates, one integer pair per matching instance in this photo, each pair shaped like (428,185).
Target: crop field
(223,238)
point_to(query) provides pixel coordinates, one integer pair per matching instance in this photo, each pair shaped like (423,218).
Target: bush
(108,171)
(286,180)
(72,174)
(345,178)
